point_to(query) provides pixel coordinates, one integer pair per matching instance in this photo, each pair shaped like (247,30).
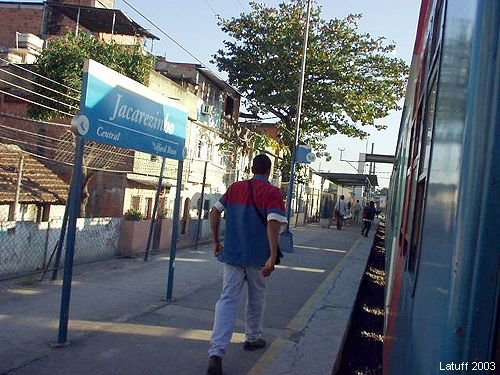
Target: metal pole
(113,25)
(297,118)
(77,22)
(47,237)
(201,207)
(153,215)
(75,195)
(18,186)
(175,225)
(371,163)
(60,242)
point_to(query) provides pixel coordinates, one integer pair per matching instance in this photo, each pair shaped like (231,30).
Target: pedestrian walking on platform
(340,212)
(368,216)
(357,211)
(254,214)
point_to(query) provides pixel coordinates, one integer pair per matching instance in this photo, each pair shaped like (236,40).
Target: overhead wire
(205,66)
(241,5)
(40,85)
(31,144)
(12,116)
(47,138)
(35,103)
(36,93)
(167,35)
(212,8)
(89,147)
(39,75)
(69,114)
(108,170)
(182,47)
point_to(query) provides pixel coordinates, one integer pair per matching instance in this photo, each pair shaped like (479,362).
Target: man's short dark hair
(261,164)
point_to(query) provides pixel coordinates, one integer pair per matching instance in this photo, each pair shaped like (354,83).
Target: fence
(27,247)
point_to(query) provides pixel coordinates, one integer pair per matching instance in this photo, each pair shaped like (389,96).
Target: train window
(425,146)
(437,28)
(417,223)
(425,150)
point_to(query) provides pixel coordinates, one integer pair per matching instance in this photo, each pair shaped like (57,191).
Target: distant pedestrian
(368,216)
(357,211)
(340,212)
(249,255)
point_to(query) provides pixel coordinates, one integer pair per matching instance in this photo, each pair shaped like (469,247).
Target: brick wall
(107,192)
(21,20)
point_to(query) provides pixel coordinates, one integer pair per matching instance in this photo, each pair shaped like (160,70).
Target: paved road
(120,322)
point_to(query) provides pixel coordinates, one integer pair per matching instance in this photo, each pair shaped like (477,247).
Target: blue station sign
(119,111)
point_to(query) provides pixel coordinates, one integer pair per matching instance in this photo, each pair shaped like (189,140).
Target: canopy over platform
(350,179)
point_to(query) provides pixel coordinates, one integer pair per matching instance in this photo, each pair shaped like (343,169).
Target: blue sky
(193,24)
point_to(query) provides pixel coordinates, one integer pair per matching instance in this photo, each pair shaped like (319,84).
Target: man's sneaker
(214,365)
(254,345)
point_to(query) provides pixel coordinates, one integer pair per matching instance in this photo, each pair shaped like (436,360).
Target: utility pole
(18,186)
(297,117)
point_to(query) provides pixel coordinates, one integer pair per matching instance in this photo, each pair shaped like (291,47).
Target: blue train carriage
(442,241)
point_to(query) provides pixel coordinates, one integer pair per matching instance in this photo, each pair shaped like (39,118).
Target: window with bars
(135,202)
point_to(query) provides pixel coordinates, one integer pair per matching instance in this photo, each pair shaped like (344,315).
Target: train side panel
(442,263)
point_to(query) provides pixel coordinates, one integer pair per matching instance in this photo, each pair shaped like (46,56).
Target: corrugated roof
(38,184)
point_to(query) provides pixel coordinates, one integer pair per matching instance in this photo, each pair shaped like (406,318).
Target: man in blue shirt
(249,255)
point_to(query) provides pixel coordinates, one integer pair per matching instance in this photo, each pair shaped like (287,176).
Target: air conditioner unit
(205,109)
(29,41)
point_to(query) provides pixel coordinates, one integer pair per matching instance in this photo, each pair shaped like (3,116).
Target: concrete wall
(27,246)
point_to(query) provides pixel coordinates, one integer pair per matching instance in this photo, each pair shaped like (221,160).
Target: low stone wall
(27,246)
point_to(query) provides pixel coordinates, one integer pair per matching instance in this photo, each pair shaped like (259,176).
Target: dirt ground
(362,353)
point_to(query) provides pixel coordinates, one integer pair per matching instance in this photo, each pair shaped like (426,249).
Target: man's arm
(214,227)
(273,231)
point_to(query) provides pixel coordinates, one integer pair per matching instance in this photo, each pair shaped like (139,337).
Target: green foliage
(133,215)
(352,79)
(63,59)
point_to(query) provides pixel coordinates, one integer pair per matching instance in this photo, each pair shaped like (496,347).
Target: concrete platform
(120,322)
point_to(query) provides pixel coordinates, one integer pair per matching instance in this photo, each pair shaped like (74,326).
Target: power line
(180,45)
(47,138)
(211,7)
(9,115)
(28,143)
(39,75)
(241,5)
(39,84)
(167,35)
(32,102)
(36,93)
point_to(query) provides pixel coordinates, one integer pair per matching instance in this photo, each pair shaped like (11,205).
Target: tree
(62,61)
(351,78)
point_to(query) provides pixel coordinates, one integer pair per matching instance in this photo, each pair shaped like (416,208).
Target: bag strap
(279,255)
(259,214)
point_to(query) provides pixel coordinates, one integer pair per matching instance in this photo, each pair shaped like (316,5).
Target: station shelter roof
(350,179)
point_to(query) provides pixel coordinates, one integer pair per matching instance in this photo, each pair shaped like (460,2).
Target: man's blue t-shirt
(245,239)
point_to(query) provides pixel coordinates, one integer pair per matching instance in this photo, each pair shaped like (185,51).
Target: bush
(133,215)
